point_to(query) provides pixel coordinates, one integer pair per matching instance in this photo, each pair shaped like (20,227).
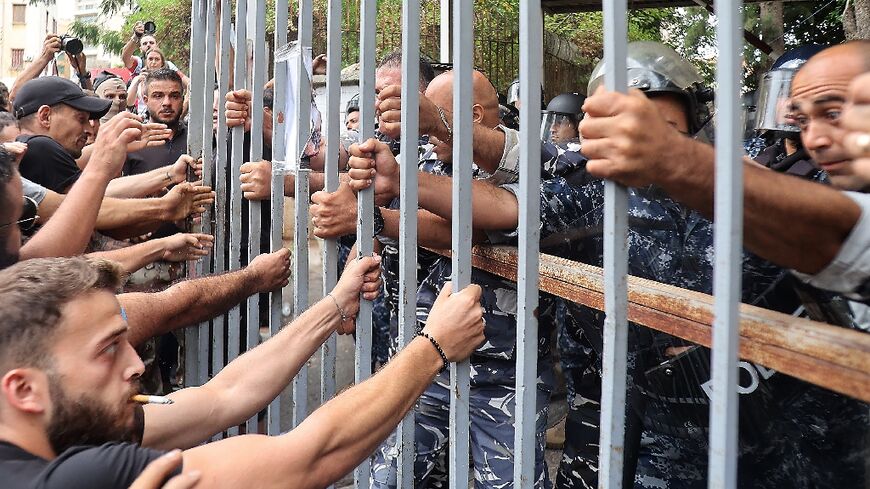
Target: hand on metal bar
(238,109)
(627,139)
(256,179)
(178,172)
(361,276)
(389,109)
(334,213)
(856,119)
(186,246)
(456,321)
(271,269)
(372,161)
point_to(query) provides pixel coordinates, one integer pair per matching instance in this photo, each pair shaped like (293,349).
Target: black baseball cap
(51,90)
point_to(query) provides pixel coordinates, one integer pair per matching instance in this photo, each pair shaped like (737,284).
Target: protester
(145,42)
(113,89)
(135,95)
(85,376)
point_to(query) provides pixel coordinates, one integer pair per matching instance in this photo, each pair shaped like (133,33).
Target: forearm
(792,222)
(29,73)
(376,406)
(436,196)
(83,160)
(432,231)
(316,182)
(141,185)
(241,390)
(133,92)
(185,303)
(69,230)
(488,147)
(135,213)
(127,52)
(133,257)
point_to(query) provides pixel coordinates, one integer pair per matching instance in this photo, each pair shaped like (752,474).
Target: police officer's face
(563,130)
(351,122)
(671,108)
(818,94)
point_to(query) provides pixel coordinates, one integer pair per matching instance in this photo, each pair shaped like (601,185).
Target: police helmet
(513,92)
(775,90)
(560,120)
(656,69)
(352,105)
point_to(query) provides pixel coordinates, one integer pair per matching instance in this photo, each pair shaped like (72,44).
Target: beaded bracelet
(437,347)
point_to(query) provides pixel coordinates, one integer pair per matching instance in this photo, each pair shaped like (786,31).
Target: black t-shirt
(148,159)
(108,466)
(47,163)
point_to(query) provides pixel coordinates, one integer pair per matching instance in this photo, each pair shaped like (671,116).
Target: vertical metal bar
(615,269)
(208,169)
(221,162)
(460,373)
(333,141)
(365,201)
(235,324)
(194,357)
(728,243)
(408,217)
(444,32)
(531,63)
(300,229)
(258,74)
(276,301)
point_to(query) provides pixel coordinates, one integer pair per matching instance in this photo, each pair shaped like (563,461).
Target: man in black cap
(54,114)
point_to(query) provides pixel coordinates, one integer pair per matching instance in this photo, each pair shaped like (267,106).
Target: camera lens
(73,46)
(150,27)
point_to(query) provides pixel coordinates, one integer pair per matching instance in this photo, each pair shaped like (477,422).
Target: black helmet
(655,68)
(563,114)
(567,103)
(775,90)
(352,105)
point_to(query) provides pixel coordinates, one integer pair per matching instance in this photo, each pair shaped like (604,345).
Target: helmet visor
(773,113)
(559,128)
(513,94)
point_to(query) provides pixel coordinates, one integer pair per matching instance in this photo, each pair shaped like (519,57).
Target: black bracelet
(437,347)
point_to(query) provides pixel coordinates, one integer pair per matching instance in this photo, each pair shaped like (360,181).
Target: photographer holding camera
(143,38)
(52,45)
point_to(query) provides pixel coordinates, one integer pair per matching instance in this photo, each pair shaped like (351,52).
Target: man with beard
(69,371)
(164,97)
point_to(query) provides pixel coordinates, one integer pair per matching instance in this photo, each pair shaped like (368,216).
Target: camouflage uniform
(671,244)
(493,378)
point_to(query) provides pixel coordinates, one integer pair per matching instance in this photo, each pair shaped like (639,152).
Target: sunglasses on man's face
(28,216)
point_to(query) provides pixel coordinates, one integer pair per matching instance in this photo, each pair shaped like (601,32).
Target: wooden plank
(830,356)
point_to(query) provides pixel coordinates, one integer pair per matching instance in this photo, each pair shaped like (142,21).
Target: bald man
(495,148)
(493,370)
(115,90)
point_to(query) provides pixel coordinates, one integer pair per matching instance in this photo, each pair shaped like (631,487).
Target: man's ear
(26,390)
(477,113)
(43,116)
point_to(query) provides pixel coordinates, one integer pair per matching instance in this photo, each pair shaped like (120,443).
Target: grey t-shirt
(33,190)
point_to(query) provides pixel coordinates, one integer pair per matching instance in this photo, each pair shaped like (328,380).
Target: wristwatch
(378,221)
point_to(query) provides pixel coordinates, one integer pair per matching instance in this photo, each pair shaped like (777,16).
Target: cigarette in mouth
(143,399)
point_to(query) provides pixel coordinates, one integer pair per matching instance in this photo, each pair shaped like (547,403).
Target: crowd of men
(101,202)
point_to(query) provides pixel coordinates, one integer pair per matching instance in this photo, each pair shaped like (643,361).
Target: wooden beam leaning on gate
(829,356)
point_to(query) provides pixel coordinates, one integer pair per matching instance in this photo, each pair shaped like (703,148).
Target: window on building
(17,59)
(18,14)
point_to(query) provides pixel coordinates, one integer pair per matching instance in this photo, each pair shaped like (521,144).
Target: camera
(71,44)
(150,27)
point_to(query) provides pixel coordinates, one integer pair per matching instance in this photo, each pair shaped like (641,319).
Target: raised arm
(50,47)
(131,45)
(326,446)
(193,301)
(243,388)
(69,231)
(627,140)
(133,90)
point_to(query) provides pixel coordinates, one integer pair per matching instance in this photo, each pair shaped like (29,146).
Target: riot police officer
(560,120)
